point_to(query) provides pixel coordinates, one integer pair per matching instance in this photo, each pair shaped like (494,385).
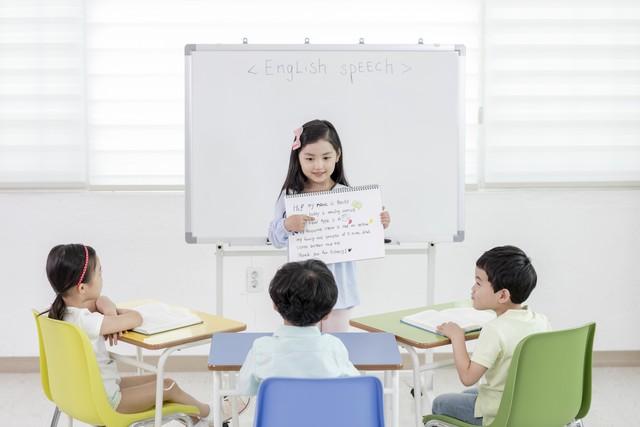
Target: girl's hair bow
(296,140)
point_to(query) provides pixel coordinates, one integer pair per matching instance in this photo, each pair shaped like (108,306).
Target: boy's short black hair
(304,292)
(508,267)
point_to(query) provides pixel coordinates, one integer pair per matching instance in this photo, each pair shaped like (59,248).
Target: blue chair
(335,402)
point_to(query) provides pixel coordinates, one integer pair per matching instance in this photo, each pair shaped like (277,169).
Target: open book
(158,317)
(469,319)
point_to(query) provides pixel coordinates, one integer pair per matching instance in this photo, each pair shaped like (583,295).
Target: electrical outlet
(254,279)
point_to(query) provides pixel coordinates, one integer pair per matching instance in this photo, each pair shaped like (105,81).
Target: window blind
(135,65)
(562,91)
(42,94)
(92,93)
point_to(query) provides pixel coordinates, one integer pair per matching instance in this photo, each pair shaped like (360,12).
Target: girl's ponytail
(58,308)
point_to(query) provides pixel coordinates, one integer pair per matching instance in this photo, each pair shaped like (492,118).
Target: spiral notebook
(346,224)
(159,317)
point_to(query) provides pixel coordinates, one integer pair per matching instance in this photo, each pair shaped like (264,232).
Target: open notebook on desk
(158,317)
(469,319)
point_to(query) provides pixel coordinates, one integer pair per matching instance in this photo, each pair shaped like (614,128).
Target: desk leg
(234,399)
(139,358)
(387,400)
(159,370)
(392,399)
(216,407)
(160,385)
(429,379)
(395,377)
(417,383)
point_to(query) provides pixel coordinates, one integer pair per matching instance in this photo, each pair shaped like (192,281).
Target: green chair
(71,379)
(548,384)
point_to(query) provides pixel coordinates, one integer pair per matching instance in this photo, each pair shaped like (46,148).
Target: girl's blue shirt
(344,272)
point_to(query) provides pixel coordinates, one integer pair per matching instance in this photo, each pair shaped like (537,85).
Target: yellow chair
(44,374)
(71,379)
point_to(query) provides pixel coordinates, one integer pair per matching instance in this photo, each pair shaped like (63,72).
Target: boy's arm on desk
(468,371)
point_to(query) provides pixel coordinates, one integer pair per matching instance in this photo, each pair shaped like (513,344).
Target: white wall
(585,245)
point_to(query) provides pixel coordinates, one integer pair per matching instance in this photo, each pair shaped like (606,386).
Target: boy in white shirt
(304,294)
(504,280)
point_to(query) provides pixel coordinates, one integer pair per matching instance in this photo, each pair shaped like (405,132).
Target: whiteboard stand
(429,249)
(219,278)
(224,249)
(431,273)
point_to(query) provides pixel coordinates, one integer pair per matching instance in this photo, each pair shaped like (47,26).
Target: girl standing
(316,164)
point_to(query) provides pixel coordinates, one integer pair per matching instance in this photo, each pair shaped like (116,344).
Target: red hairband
(86,263)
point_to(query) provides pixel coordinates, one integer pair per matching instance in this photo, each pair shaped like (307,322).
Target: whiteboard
(399,111)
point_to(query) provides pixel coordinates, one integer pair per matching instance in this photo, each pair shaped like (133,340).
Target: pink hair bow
(296,140)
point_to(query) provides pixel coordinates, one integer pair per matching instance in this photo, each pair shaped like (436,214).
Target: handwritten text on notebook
(346,225)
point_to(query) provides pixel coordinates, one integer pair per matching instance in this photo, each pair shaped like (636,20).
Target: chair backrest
(44,372)
(549,380)
(74,379)
(335,402)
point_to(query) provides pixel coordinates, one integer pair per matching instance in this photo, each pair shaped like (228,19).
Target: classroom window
(92,92)
(42,94)
(562,91)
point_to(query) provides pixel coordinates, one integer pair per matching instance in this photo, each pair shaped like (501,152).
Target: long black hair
(314,131)
(65,264)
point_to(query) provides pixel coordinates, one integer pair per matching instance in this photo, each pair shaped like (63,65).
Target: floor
(616,391)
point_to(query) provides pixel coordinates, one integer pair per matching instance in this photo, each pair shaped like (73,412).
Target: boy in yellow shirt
(504,280)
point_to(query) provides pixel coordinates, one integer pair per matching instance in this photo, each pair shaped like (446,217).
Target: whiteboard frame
(191,238)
